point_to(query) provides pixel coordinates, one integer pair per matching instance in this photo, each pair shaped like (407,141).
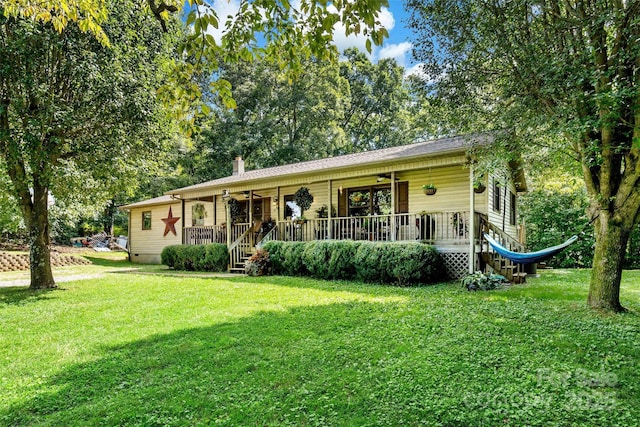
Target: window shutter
(266,209)
(402,194)
(342,203)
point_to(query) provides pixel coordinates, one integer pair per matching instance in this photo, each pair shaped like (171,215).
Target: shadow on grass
(105,262)
(22,295)
(355,363)
(368,288)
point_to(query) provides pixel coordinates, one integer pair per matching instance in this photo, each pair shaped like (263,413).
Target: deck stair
(238,266)
(515,273)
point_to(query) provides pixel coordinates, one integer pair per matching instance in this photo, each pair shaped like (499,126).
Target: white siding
(501,218)
(145,246)
(188,212)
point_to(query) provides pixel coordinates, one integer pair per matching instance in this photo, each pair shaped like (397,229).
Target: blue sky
(397,46)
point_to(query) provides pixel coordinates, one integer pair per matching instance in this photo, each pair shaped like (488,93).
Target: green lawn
(134,349)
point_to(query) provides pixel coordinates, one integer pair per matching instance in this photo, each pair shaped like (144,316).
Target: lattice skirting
(456,263)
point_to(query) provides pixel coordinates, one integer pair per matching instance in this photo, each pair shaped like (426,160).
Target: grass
(133,349)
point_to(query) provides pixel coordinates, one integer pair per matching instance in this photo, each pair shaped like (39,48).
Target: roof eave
(199,187)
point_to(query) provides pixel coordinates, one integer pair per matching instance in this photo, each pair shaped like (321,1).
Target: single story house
(377,195)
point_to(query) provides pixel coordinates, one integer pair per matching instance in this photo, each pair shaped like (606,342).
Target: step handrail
(234,248)
(505,239)
(267,237)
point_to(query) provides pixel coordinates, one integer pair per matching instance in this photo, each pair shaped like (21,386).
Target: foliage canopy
(562,75)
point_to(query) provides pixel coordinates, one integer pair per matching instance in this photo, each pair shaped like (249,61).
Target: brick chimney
(238,166)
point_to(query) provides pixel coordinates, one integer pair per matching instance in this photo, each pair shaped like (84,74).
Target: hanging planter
(429,189)
(479,188)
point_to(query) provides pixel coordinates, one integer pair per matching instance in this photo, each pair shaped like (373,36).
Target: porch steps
(238,267)
(505,267)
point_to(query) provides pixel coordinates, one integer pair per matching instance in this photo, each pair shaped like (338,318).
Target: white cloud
(223,9)
(359,41)
(418,71)
(396,51)
(386,19)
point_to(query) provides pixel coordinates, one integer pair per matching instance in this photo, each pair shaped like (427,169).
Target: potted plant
(478,185)
(303,199)
(429,189)
(323,211)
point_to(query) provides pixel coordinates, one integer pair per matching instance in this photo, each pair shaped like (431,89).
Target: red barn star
(170,222)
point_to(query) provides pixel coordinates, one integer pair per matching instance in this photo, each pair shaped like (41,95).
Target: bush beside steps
(213,257)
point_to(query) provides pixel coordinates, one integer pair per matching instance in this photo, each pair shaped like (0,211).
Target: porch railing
(204,235)
(431,227)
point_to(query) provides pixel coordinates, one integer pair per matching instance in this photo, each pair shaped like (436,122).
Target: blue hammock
(530,257)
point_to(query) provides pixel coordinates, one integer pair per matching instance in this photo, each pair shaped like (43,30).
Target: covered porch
(436,228)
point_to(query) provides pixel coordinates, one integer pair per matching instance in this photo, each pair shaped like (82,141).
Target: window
(146,220)
(288,212)
(369,201)
(496,196)
(198,214)
(512,211)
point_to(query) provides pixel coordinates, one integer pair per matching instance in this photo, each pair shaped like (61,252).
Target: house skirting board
(456,260)
(144,258)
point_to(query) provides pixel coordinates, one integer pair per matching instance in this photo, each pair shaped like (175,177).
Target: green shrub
(341,264)
(292,263)
(216,258)
(276,255)
(397,263)
(168,255)
(316,256)
(213,257)
(369,262)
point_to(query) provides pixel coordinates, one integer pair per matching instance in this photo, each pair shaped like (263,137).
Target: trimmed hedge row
(213,257)
(398,263)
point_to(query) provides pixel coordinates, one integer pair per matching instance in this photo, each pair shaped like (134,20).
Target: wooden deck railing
(204,235)
(500,236)
(241,245)
(432,227)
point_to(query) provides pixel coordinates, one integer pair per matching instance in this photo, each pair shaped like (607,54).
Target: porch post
(394,204)
(228,215)
(251,217)
(329,227)
(183,223)
(129,238)
(278,207)
(472,220)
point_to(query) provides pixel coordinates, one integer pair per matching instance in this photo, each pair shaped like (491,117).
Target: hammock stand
(528,257)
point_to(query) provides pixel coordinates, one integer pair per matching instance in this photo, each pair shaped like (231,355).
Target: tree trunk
(108,217)
(608,260)
(40,254)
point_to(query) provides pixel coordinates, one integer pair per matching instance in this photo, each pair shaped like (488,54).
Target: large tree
(276,120)
(72,96)
(75,117)
(378,114)
(286,32)
(560,71)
